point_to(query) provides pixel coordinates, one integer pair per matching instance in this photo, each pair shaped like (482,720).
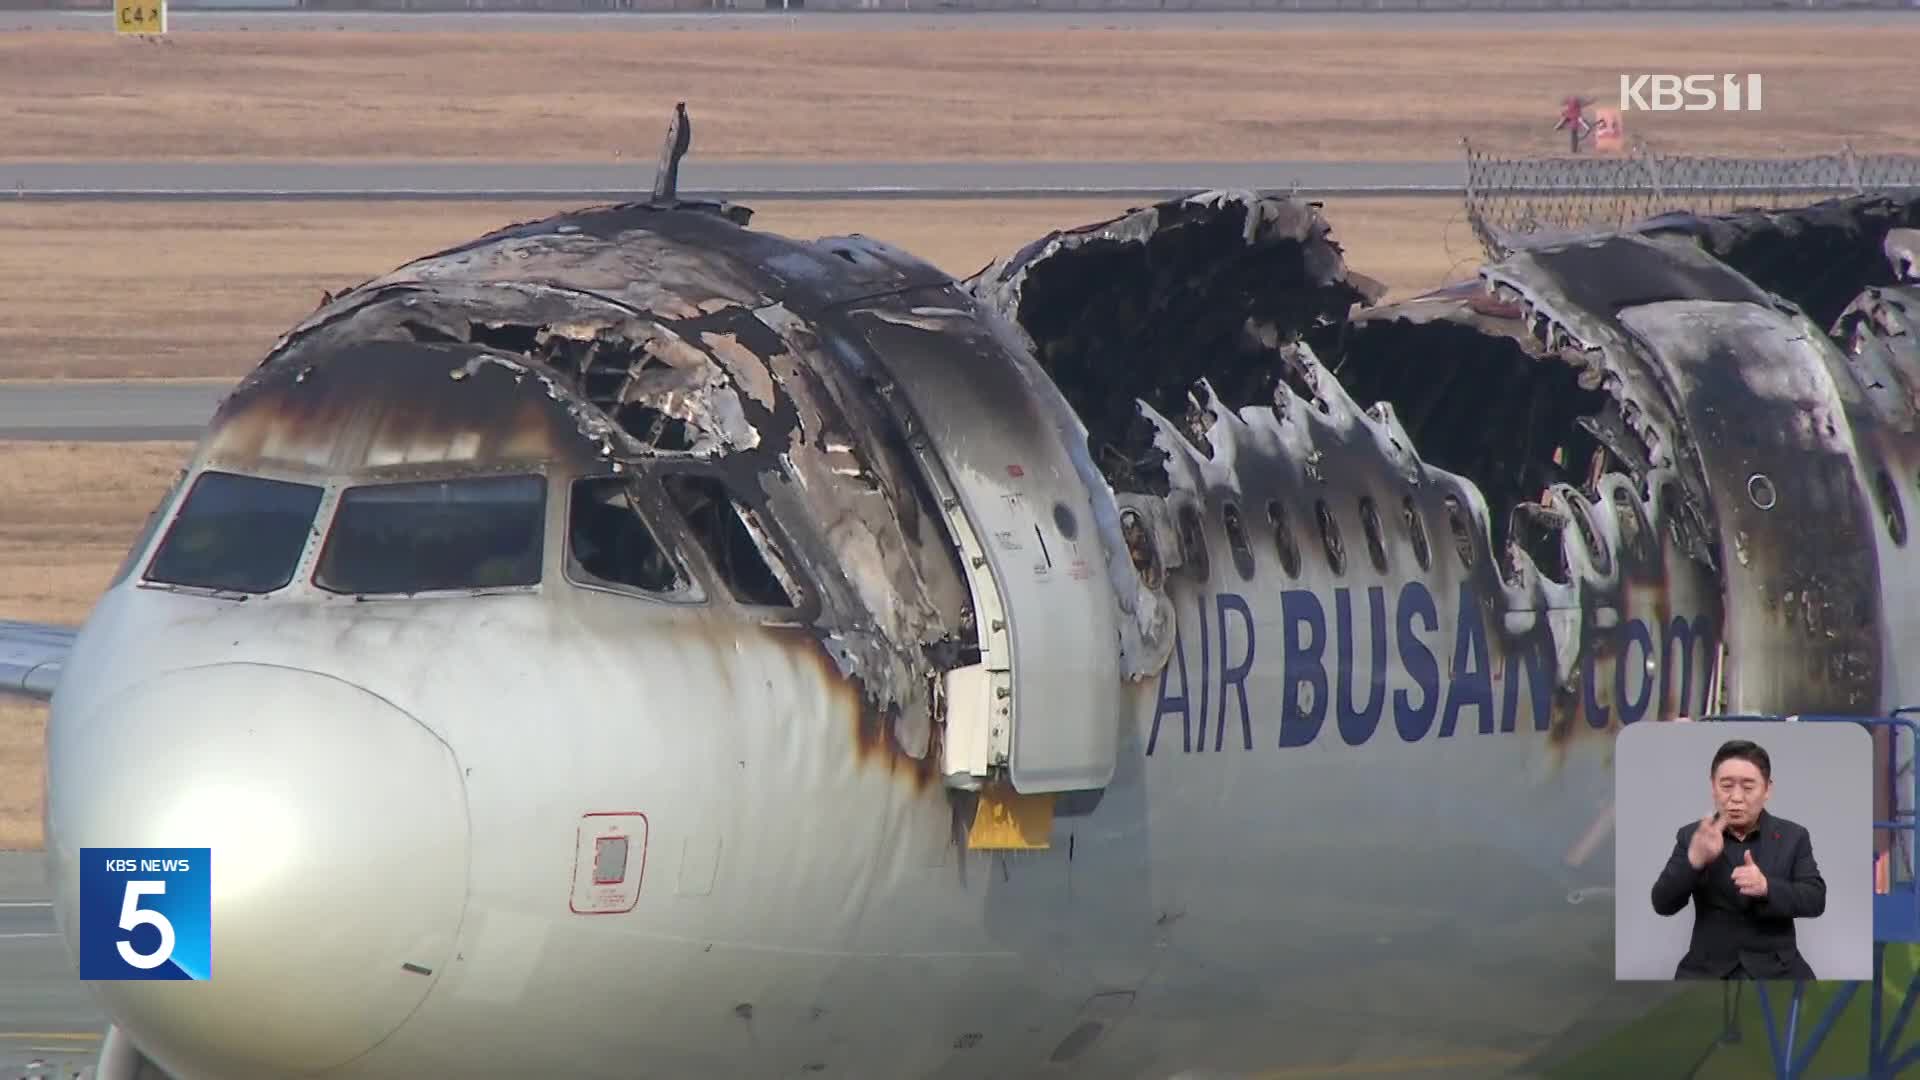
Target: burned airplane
(632,644)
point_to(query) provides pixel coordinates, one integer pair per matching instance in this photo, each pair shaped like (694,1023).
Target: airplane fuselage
(596,641)
(1252,874)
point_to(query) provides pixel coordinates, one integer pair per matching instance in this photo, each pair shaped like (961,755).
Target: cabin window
(610,543)
(1237,540)
(1193,543)
(1457,524)
(1370,527)
(436,535)
(1417,531)
(1330,535)
(735,541)
(147,528)
(1283,542)
(237,534)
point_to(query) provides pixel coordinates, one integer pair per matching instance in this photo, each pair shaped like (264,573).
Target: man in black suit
(1749,874)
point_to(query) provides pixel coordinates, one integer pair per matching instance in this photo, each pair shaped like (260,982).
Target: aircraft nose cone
(337,829)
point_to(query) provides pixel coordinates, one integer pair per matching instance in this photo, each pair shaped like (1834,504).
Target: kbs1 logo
(146,913)
(1690,93)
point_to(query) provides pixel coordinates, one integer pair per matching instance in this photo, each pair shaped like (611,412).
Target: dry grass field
(1318,92)
(68,511)
(203,289)
(21,775)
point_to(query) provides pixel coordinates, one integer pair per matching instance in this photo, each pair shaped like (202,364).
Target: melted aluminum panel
(1574,401)
(1777,451)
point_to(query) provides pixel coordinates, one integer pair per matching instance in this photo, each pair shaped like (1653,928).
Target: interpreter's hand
(1706,843)
(1750,880)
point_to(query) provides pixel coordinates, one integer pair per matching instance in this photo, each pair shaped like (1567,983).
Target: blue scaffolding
(1896,919)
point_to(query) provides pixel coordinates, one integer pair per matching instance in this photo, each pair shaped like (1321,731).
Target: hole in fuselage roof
(1481,406)
(654,428)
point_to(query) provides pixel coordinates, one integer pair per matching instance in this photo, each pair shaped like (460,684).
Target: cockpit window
(610,542)
(479,533)
(147,528)
(734,540)
(236,534)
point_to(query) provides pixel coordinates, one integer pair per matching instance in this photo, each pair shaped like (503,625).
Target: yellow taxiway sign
(139,16)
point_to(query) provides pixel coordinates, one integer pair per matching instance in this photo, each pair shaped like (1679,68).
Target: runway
(737,180)
(108,410)
(297,181)
(45,1012)
(1401,14)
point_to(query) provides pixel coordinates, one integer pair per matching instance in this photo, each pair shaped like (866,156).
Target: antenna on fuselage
(666,178)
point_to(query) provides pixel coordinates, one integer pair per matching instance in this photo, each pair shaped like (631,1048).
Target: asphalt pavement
(46,1014)
(109,410)
(604,181)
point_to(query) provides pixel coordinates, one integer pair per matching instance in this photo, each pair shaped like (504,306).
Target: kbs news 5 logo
(146,913)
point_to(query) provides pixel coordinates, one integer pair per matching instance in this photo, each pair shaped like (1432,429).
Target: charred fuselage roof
(672,335)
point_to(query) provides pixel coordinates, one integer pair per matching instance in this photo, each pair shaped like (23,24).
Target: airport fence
(1512,197)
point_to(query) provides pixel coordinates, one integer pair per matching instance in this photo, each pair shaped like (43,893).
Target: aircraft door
(1045,702)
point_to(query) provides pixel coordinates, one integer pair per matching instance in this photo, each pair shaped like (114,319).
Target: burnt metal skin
(703,344)
(1293,796)
(786,368)
(801,742)
(1613,430)
(1562,573)
(1768,440)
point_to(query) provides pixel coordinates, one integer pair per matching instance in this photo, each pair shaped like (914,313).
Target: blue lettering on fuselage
(1233,675)
(1321,671)
(1414,721)
(1358,723)
(1304,670)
